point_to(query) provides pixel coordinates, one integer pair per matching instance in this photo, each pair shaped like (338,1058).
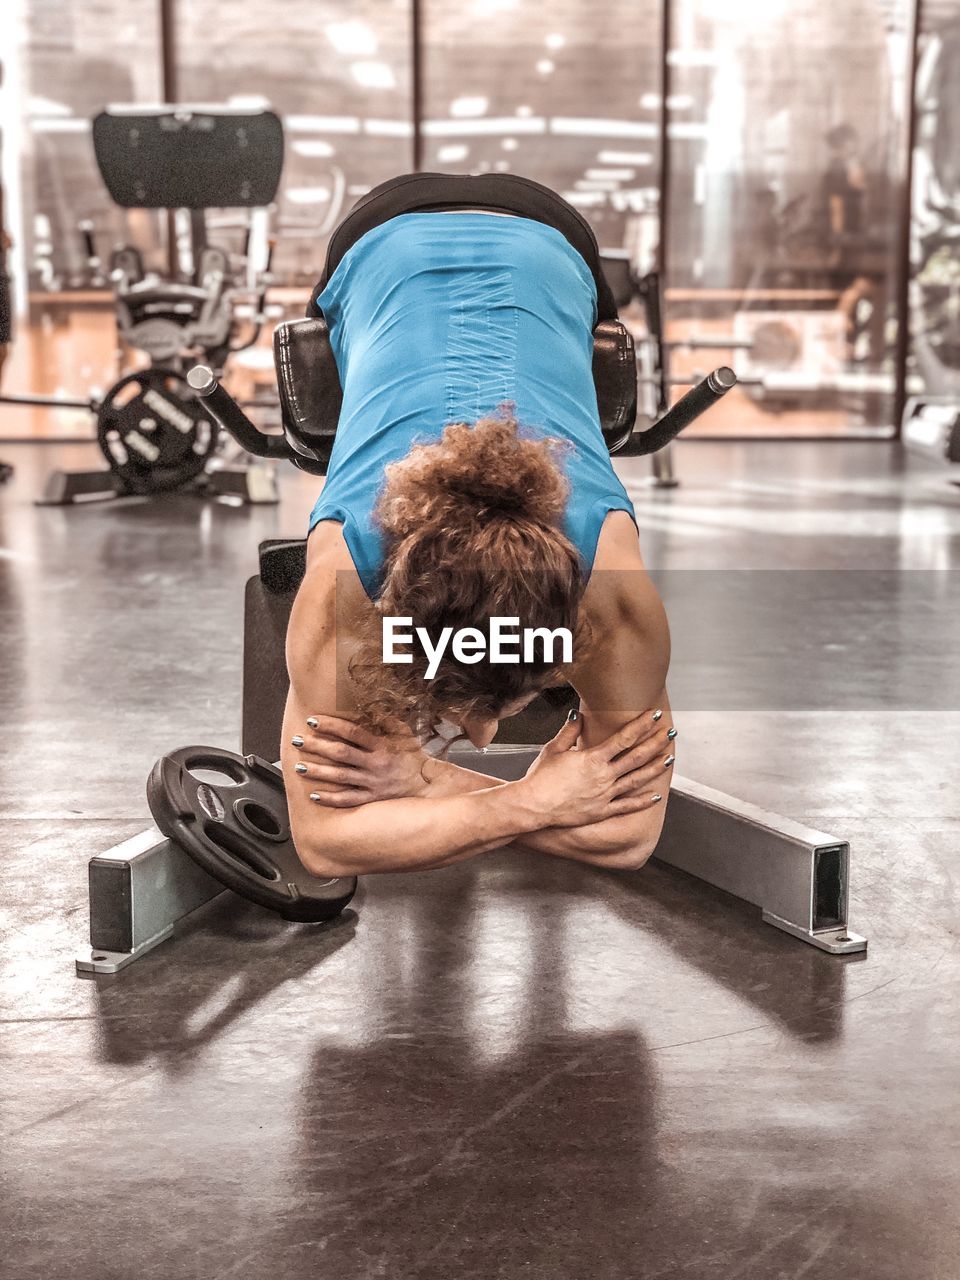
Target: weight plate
(154,432)
(229,814)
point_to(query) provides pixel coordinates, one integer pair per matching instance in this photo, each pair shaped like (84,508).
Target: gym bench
(798,877)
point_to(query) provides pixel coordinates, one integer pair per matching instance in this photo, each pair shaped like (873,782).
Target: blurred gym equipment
(212,833)
(154,432)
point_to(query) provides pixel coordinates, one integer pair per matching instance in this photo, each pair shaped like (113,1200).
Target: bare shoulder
(620,592)
(625,664)
(619,543)
(325,607)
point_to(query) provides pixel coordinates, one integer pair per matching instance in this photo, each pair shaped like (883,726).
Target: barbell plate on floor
(229,814)
(154,431)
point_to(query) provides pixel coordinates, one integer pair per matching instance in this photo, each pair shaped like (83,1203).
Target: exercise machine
(153,431)
(216,830)
(141,889)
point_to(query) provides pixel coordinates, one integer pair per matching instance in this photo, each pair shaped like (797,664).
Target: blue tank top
(441,317)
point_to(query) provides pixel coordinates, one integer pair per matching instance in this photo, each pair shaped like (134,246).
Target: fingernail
(315,795)
(297,741)
(657,798)
(668,762)
(671,734)
(301,767)
(573,715)
(657,714)
(312,721)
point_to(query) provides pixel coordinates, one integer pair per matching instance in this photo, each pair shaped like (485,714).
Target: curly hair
(472,530)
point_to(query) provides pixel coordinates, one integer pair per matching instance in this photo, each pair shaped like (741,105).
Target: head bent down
(472,527)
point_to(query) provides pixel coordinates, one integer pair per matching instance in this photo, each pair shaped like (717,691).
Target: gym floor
(511,1067)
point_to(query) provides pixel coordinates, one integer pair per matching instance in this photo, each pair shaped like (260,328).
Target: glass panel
(62,63)
(338,72)
(565,94)
(787,159)
(934,360)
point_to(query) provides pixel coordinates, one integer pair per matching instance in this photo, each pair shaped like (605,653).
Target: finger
(634,804)
(343,777)
(331,750)
(632,733)
(650,777)
(657,750)
(348,730)
(344,798)
(567,735)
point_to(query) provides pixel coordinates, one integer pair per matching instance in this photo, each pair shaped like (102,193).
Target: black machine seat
(164,299)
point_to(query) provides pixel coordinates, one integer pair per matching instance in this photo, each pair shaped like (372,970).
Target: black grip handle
(224,409)
(86,235)
(649,292)
(697,400)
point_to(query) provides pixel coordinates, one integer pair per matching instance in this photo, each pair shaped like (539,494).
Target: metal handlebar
(697,400)
(225,410)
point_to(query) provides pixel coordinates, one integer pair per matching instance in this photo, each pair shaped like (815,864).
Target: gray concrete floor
(510,1067)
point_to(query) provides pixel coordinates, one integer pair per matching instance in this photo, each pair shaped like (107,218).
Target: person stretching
(470,492)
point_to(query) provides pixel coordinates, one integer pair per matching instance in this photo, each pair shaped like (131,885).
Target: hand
(576,786)
(347,765)
(5,240)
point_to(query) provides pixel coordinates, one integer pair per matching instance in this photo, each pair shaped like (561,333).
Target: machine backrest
(309,386)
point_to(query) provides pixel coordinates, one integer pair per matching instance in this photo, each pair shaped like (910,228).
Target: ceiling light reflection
(469,105)
(625,157)
(488,125)
(585,199)
(373,75)
(308,195)
(322,124)
(312,147)
(353,39)
(584,126)
(613,175)
(388,128)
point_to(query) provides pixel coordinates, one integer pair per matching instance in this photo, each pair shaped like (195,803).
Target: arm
(408,834)
(615,843)
(621,678)
(396,834)
(423,830)
(350,767)
(623,674)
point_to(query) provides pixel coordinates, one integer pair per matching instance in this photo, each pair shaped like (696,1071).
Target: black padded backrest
(309,384)
(615,380)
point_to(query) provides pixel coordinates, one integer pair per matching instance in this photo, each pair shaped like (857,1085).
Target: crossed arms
(595,794)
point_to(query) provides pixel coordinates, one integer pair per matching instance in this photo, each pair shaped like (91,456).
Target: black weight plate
(154,432)
(233,822)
